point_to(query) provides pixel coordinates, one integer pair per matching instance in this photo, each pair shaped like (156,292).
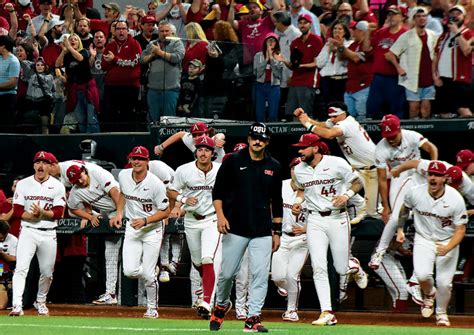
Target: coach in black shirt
(249,206)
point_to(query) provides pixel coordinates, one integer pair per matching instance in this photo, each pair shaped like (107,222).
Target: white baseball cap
(24,2)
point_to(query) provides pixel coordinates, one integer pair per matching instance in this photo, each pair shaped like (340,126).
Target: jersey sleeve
(160,198)
(178,183)
(422,167)
(161,172)
(188,141)
(399,46)
(416,138)
(60,196)
(220,153)
(459,212)
(380,159)
(408,201)
(18,197)
(345,171)
(73,201)
(296,181)
(107,181)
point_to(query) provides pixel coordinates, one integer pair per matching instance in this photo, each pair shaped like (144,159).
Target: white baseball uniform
(36,237)
(288,261)
(141,248)
(327,226)
(97,195)
(435,221)
(359,150)
(388,157)
(200,220)
(8,246)
(162,170)
(189,142)
(63,166)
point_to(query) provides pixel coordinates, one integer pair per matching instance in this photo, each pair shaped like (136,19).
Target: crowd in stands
(67,66)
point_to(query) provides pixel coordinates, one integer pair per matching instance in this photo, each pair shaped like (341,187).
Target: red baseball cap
(240,146)
(73,173)
(306,17)
(437,167)
(323,148)
(139,151)
(464,158)
(148,19)
(454,174)
(307,140)
(45,156)
(295,161)
(198,128)
(390,126)
(205,141)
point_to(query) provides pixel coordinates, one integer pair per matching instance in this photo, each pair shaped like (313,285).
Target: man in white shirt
(39,200)
(146,205)
(440,223)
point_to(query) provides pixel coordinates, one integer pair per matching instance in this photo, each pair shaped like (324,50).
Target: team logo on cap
(387,128)
(138,150)
(203,140)
(41,155)
(196,127)
(239,147)
(434,166)
(71,174)
(260,129)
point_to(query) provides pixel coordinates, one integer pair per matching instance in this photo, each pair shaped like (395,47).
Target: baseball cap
(262,7)
(335,111)
(459,8)
(390,126)
(112,5)
(396,10)
(196,62)
(295,161)
(73,173)
(306,17)
(140,152)
(307,140)
(260,130)
(362,26)
(437,168)
(454,174)
(323,148)
(45,156)
(24,2)
(198,128)
(271,35)
(464,158)
(54,22)
(148,19)
(240,146)
(418,10)
(205,141)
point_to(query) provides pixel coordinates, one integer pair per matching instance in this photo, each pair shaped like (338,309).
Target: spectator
(9,73)
(121,61)
(196,45)
(175,12)
(305,78)
(359,72)
(24,53)
(224,54)
(432,23)
(148,27)
(333,67)
(46,14)
(81,89)
(111,14)
(52,40)
(24,7)
(198,11)
(190,89)
(83,29)
(40,95)
(165,57)
(96,53)
(327,16)
(385,93)
(8,244)
(253,30)
(268,70)
(453,66)
(412,56)
(297,9)
(9,27)
(362,12)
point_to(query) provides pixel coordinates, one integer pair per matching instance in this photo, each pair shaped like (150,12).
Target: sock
(208,281)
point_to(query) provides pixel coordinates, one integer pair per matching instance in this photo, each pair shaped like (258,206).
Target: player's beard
(307,159)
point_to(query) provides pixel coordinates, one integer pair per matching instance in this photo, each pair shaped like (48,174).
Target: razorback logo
(71,174)
(107,184)
(239,147)
(434,165)
(196,127)
(138,150)
(204,140)
(388,129)
(41,155)
(268,172)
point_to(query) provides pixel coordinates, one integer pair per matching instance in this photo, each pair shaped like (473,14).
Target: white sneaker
(415,291)
(442,320)
(41,307)
(164,276)
(361,278)
(106,299)
(290,316)
(326,318)
(282,292)
(354,266)
(427,308)
(151,313)
(204,310)
(16,311)
(376,259)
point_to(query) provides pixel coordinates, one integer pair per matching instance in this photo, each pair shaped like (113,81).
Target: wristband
(146,221)
(47,21)
(184,199)
(179,198)
(350,193)
(161,147)
(340,49)
(276,229)
(299,200)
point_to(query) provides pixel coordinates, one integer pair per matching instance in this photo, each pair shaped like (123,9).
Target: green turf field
(33,325)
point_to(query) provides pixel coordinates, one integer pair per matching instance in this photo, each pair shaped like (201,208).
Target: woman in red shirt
(196,45)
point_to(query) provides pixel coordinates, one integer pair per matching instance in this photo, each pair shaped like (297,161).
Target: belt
(202,217)
(42,229)
(289,234)
(367,167)
(340,77)
(327,213)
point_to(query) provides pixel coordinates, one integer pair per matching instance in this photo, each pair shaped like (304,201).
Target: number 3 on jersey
(328,192)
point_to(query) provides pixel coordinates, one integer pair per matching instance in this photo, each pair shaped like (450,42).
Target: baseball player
(189,139)
(97,188)
(39,200)
(355,144)
(440,220)
(58,169)
(289,259)
(397,146)
(8,243)
(195,181)
(322,182)
(465,160)
(146,205)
